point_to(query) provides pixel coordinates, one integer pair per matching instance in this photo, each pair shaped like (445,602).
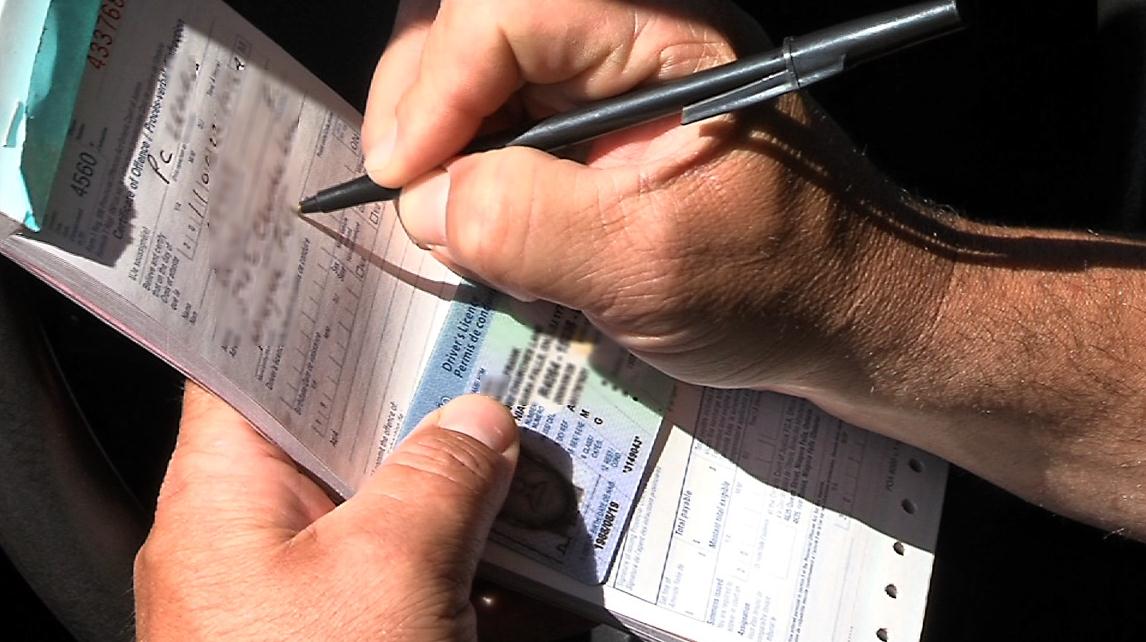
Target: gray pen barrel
(807,59)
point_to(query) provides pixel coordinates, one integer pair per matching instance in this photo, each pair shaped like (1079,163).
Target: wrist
(1027,367)
(865,285)
(893,301)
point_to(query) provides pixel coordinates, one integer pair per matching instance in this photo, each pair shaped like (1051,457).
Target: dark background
(1030,117)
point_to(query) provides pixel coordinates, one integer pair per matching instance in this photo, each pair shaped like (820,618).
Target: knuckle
(144,559)
(154,560)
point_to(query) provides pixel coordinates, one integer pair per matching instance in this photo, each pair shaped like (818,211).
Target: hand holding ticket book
(673,510)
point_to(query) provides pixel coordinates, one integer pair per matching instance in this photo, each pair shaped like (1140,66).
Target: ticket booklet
(153,154)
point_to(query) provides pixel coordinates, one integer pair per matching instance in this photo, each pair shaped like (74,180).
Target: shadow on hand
(829,163)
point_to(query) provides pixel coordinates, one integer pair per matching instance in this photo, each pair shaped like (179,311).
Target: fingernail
(423,208)
(442,253)
(379,155)
(482,418)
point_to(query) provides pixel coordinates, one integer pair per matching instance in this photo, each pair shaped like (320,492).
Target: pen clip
(796,74)
(753,93)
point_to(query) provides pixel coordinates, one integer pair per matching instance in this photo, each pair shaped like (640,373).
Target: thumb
(433,500)
(527,223)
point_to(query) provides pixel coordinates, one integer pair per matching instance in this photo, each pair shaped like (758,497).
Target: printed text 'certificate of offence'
(190,122)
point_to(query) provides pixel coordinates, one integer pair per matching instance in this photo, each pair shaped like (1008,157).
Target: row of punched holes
(908,507)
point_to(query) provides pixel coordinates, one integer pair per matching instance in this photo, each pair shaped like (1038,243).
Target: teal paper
(21,24)
(45,44)
(56,80)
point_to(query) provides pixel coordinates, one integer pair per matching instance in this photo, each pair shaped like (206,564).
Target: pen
(797,63)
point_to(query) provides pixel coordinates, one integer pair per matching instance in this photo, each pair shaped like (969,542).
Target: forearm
(1028,367)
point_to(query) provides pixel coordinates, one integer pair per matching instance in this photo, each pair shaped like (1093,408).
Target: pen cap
(829,51)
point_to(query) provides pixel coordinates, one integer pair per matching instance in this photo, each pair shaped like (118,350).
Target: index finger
(397,69)
(479,53)
(223,472)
